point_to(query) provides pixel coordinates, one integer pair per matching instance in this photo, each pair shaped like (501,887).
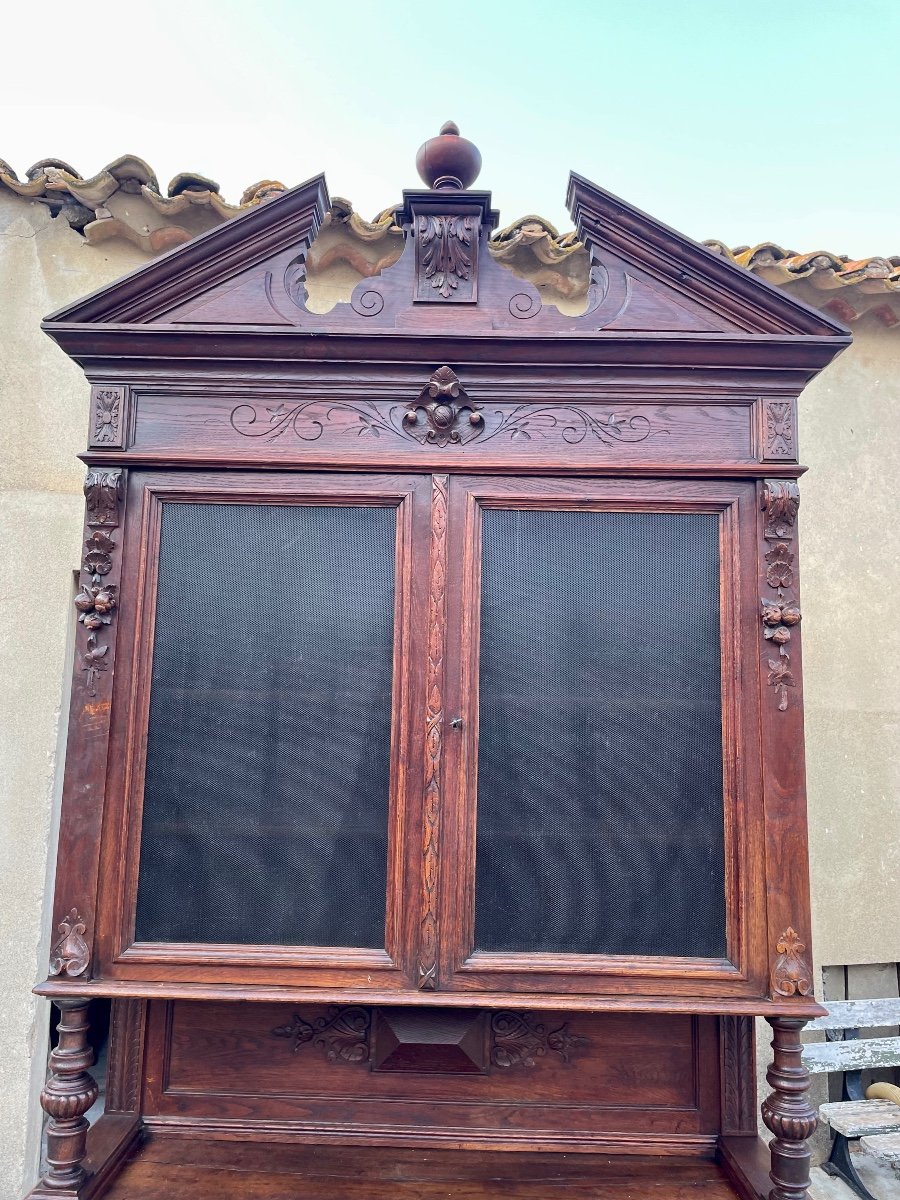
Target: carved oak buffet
(434,785)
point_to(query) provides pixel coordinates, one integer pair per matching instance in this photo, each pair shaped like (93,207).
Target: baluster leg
(67,1095)
(787,1111)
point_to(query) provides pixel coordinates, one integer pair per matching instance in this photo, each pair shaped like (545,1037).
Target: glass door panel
(599,799)
(268,748)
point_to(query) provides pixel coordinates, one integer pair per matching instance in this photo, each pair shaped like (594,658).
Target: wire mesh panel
(600,822)
(266,795)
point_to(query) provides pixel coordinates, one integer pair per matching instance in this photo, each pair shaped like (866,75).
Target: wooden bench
(875,1121)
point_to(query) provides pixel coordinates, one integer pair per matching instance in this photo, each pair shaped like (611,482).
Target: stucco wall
(43,264)
(850,436)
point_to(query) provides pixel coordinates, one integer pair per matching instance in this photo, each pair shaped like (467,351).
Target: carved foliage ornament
(791,974)
(106,415)
(778,431)
(70,953)
(445,251)
(342,1033)
(97,600)
(434,733)
(780,614)
(518,1040)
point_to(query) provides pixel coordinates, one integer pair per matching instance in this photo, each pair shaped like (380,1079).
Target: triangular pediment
(645,278)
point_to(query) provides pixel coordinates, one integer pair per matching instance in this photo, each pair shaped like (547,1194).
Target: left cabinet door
(257,810)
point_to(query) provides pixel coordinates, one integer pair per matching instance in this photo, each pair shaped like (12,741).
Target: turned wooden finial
(448,162)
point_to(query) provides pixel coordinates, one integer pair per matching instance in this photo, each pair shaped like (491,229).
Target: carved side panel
(126,1055)
(109,416)
(738,1075)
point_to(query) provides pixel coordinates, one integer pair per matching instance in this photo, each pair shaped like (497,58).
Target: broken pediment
(445,276)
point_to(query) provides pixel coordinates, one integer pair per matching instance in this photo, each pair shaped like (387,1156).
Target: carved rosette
(787,1112)
(434,417)
(791,972)
(777,433)
(68,1094)
(70,954)
(434,734)
(446,257)
(342,1034)
(519,1040)
(107,416)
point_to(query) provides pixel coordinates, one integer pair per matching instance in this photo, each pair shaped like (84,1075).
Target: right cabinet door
(601,801)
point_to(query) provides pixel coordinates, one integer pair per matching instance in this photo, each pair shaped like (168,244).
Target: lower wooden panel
(513,1080)
(212,1170)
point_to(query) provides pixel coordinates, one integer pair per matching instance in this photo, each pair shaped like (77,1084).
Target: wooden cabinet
(435,770)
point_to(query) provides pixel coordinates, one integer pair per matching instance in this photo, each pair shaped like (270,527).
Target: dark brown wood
(443,386)
(66,1096)
(174,1167)
(787,1112)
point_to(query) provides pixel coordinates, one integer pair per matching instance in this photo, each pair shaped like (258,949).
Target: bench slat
(859,1014)
(855,1118)
(865,1054)
(885,1146)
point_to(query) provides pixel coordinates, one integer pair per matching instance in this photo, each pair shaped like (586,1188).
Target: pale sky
(764,120)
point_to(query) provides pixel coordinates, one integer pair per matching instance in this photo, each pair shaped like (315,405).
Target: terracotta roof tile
(124,199)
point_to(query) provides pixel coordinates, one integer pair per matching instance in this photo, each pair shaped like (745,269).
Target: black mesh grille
(600,821)
(266,794)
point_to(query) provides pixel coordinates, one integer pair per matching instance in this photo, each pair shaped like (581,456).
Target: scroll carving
(102,492)
(518,1040)
(791,973)
(446,248)
(434,733)
(778,437)
(440,405)
(573,425)
(780,502)
(70,954)
(107,408)
(342,1034)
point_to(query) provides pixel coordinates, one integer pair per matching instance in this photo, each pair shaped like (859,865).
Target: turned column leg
(787,1112)
(67,1095)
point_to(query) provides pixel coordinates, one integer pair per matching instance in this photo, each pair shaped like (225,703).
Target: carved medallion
(442,406)
(70,954)
(780,502)
(519,1040)
(342,1033)
(791,974)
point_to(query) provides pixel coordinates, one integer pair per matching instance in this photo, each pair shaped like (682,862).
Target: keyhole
(456,723)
